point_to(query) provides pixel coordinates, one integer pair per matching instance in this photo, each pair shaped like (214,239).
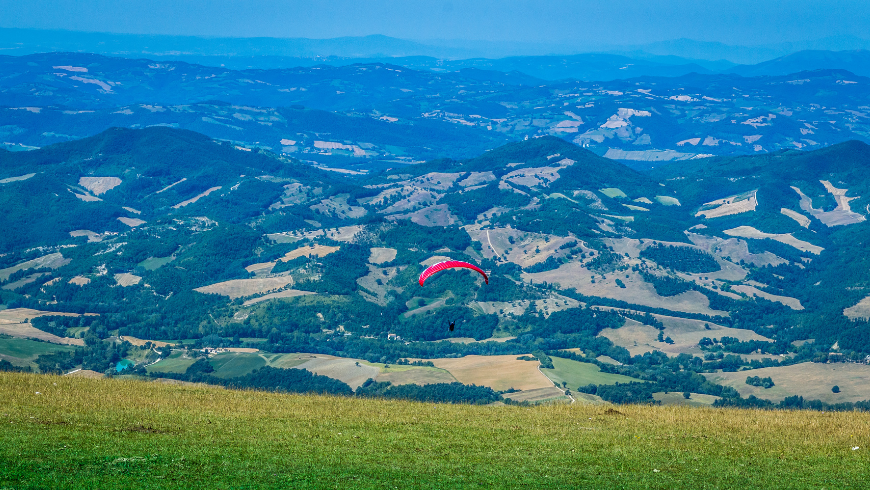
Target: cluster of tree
(645,318)
(683,259)
(759,381)
(551,263)
(418,362)
(667,285)
(732,344)
(340,270)
(502,288)
(795,402)
(544,359)
(623,393)
(95,355)
(468,205)
(58,325)
(407,234)
(554,217)
(266,378)
(6,366)
(605,261)
(433,393)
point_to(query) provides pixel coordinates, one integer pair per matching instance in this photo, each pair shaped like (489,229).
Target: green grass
(172,364)
(233,364)
(28,350)
(154,263)
(612,192)
(84,433)
(283,361)
(576,374)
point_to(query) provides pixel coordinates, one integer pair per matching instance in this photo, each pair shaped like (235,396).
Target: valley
(615,285)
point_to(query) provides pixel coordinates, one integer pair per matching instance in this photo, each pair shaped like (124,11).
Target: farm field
(686,333)
(26,330)
(576,374)
(143,435)
(422,375)
(231,364)
(636,290)
(22,352)
(813,381)
(238,288)
(695,399)
(175,363)
(539,395)
(497,372)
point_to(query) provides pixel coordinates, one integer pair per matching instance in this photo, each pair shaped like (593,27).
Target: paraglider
(450,264)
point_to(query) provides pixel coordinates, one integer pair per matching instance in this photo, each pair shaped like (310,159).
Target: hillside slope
(64,432)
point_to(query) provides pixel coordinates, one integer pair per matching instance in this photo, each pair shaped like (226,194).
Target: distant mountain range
(549,62)
(366,116)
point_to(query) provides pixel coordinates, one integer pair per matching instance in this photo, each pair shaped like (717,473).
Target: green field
(612,192)
(284,361)
(154,263)
(172,364)
(84,433)
(23,351)
(233,364)
(576,374)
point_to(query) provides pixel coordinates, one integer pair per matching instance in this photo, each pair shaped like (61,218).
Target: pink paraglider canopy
(450,264)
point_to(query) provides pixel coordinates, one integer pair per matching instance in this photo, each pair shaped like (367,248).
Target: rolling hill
(697,267)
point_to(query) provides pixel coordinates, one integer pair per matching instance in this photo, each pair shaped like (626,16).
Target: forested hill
(137,176)
(170,235)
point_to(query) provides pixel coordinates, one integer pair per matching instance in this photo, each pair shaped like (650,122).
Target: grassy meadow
(576,374)
(86,433)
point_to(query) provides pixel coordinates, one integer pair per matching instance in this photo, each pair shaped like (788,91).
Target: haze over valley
(617,248)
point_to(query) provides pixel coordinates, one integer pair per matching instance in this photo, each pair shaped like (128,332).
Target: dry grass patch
(239,288)
(380,255)
(636,290)
(14,322)
(786,238)
(354,372)
(80,281)
(311,250)
(437,215)
(686,333)
(497,372)
(741,203)
(734,250)
(813,381)
(859,311)
(51,261)
(417,376)
(801,219)
(126,279)
(521,248)
(20,178)
(694,400)
(792,303)
(85,373)
(99,185)
(131,222)
(140,342)
(287,293)
(196,197)
(539,395)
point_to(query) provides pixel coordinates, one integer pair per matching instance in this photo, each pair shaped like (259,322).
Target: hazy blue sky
(589,22)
